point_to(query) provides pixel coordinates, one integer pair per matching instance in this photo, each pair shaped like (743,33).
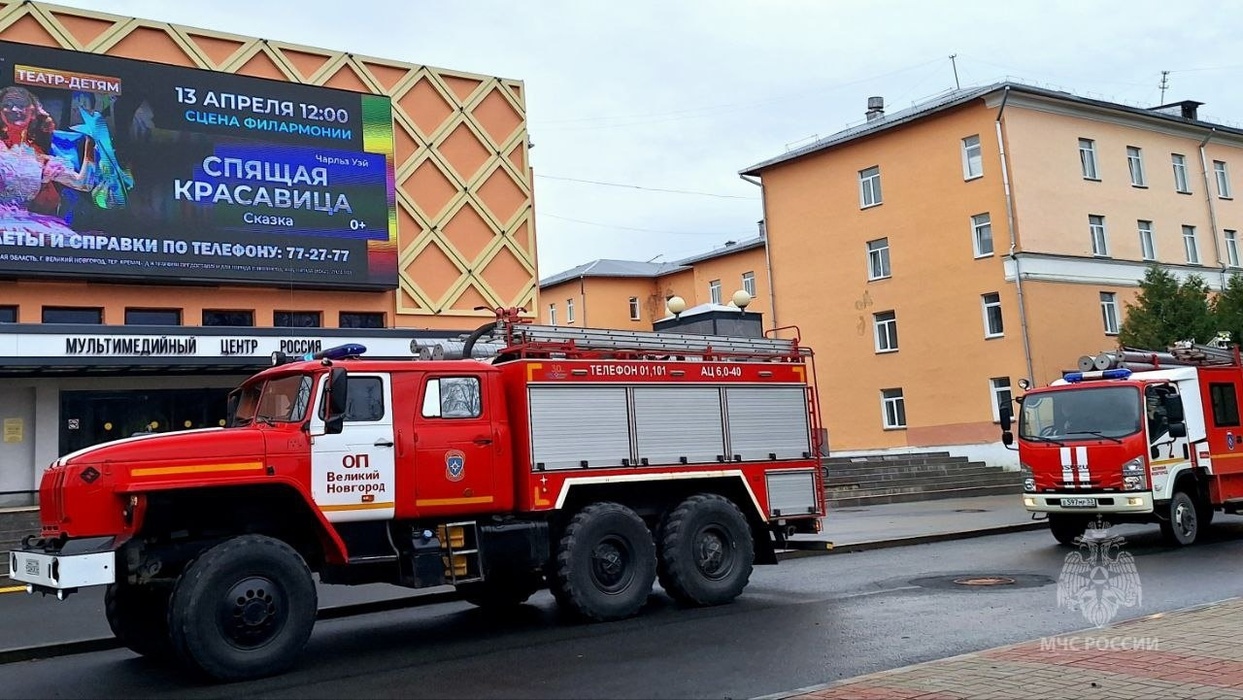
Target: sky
(643,112)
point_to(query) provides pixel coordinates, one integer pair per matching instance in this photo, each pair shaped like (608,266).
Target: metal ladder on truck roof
(528,339)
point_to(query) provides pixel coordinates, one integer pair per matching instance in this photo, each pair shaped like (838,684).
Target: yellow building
(207,199)
(629,294)
(935,255)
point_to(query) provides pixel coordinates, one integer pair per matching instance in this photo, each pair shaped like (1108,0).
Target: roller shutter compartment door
(573,424)
(679,422)
(768,420)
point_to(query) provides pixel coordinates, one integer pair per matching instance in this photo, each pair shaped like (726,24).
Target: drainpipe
(1018,275)
(768,261)
(1212,208)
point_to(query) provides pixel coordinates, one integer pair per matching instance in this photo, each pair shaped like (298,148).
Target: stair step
(895,460)
(927,484)
(912,497)
(913,470)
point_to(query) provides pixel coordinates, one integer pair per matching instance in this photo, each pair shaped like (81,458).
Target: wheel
(243,609)
(605,563)
(501,592)
(706,551)
(1182,525)
(1066,528)
(138,616)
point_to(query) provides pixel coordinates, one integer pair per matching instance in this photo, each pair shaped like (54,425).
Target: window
(72,314)
(869,187)
(1087,158)
(569,311)
(223,317)
(8,314)
(1109,312)
(748,283)
(1190,245)
(993,326)
(885,325)
(972,158)
(1180,173)
(452,397)
(295,319)
(552,314)
(982,235)
(1100,242)
(1225,405)
(1147,246)
(714,291)
(1232,248)
(364,399)
(634,308)
(893,408)
(1223,179)
(360,319)
(1002,396)
(878,259)
(153,317)
(1135,162)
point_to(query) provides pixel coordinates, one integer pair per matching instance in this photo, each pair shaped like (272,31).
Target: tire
(501,593)
(138,617)
(244,609)
(605,563)
(1067,529)
(706,551)
(1181,527)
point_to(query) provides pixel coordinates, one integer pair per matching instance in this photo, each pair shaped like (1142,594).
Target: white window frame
(1232,247)
(634,308)
(1147,241)
(892,409)
(569,311)
(1109,312)
(1099,234)
(1002,394)
(1135,163)
(885,331)
(979,224)
(989,301)
(1087,159)
(878,259)
(869,187)
(1223,179)
(1182,183)
(748,283)
(1191,246)
(972,158)
(714,291)
(552,314)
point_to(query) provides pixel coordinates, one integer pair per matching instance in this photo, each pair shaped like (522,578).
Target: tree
(1228,308)
(1166,312)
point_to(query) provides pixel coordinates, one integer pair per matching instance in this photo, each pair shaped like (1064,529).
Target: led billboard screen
(123,169)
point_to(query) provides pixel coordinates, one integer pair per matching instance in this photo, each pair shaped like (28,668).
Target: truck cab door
(352,472)
(455,439)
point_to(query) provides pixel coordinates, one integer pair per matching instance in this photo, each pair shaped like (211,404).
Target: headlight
(1133,476)
(1029,480)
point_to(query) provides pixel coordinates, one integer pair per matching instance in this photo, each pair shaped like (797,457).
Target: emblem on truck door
(455,465)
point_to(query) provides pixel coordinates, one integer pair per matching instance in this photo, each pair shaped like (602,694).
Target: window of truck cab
(452,397)
(1082,413)
(364,400)
(281,399)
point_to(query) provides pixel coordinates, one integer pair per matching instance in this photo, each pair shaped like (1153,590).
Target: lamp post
(742,299)
(676,305)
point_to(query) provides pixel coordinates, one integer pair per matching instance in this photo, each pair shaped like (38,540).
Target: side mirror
(1173,404)
(1178,430)
(230,411)
(1007,438)
(338,393)
(1007,417)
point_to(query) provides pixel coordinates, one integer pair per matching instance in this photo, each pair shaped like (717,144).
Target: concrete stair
(14,525)
(918,476)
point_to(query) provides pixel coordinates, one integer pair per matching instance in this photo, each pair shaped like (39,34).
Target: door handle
(383,443)
(483,441)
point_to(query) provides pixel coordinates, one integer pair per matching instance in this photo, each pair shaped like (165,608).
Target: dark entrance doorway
(91,417)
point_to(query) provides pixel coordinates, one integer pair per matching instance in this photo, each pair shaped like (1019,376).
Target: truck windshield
(277,400)
(1109,412)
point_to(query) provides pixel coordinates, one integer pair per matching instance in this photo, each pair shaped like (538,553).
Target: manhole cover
(971,510)
(982,581)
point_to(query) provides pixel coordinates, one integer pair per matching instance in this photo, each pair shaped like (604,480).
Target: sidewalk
(1191,653)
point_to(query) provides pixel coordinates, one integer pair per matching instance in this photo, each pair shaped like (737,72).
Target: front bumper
(1138,502)
(78,564)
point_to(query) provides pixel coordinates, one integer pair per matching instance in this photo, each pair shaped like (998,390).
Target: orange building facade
(937,255)
(440,157)
(632,295)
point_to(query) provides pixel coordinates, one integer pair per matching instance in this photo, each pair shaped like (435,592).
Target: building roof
(634,268)
(1172,113)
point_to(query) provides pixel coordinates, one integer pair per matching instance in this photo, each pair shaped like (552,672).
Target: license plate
(32,567)
(1079,502)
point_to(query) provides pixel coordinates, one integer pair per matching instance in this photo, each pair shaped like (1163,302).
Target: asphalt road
(803,622)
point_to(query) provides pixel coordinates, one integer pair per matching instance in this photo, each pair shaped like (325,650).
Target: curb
(812,548)
(783,695)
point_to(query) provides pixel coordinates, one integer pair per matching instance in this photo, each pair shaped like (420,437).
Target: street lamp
(676,305)
(741,300)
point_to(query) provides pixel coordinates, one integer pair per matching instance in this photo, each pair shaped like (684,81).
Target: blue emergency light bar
(338,352)
(1103,374)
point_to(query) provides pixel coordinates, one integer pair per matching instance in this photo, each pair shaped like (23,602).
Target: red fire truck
(590,462)
(1135,436)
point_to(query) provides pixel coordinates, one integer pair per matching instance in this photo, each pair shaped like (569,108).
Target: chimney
(876,108)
